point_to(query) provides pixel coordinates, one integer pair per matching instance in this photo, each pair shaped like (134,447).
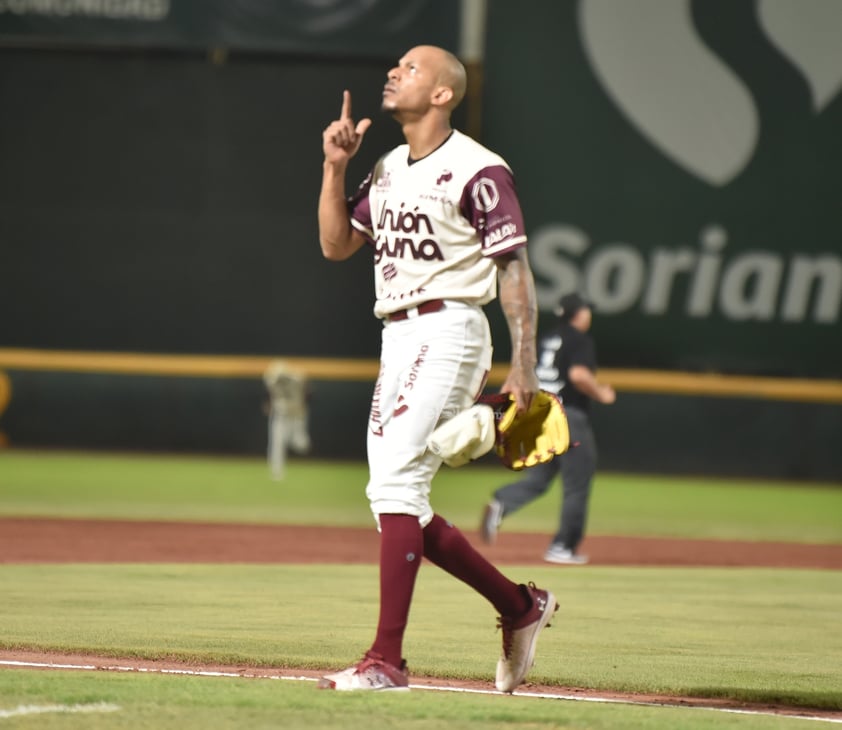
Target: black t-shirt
(557,353)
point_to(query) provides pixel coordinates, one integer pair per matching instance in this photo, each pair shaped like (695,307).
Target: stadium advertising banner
(368,28)
(680,162)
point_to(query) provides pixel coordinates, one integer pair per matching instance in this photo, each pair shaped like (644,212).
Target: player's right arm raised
(340,142)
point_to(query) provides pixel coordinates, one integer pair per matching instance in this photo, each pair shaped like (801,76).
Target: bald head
(452,74)
(446,69)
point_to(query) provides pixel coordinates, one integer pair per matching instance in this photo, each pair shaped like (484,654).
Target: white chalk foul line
(427,687)
(22,710)
(620,701)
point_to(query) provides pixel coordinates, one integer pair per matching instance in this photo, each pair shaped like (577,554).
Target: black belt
(434,305)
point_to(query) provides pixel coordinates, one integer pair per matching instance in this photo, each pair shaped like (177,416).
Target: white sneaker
(520,636)
(564,556)
(492,516)
(372,673)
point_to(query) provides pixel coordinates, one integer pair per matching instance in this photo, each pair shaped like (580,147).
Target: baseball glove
(530,438)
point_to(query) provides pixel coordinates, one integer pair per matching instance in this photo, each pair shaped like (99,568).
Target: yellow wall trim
(252,366)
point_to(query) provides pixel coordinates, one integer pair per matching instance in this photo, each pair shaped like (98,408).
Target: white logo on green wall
(695,109)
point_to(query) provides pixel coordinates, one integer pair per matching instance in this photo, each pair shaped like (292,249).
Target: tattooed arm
(517,300)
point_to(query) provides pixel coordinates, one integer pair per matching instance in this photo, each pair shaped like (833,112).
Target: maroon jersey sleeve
(490,203)
(359,208)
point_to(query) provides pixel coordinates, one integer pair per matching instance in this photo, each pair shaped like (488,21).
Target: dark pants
(576,467)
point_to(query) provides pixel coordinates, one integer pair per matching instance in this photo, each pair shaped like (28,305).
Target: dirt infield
(64,541)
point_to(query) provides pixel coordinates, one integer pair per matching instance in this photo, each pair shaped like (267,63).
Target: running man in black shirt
(566,366)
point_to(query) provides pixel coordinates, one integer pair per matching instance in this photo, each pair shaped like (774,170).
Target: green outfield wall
(663,422)
(681,162)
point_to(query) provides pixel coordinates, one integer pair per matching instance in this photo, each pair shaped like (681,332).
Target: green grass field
(181,703)
(756,635)
(234,489)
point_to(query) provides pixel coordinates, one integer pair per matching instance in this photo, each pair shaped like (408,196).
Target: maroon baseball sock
(401,550)
(448,548)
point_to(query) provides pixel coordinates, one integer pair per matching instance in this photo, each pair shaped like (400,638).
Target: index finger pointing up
(346,105)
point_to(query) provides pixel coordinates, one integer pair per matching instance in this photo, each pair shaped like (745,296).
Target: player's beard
(391,110)
(388,104)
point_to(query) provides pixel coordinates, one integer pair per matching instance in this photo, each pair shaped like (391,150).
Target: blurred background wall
(679,161)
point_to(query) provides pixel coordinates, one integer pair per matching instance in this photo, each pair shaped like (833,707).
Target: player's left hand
(532,437)
(522,384)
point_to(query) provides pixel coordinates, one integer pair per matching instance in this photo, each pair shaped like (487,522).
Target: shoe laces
(365,663)
(370,659)
(373,659)
(507,625)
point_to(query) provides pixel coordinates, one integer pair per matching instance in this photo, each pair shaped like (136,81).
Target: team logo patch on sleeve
(485,194)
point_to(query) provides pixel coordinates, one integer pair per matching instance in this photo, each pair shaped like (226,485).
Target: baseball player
(440,217)
(567,367)
(288,415)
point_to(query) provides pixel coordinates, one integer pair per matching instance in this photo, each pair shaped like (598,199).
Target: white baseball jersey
(436,223)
